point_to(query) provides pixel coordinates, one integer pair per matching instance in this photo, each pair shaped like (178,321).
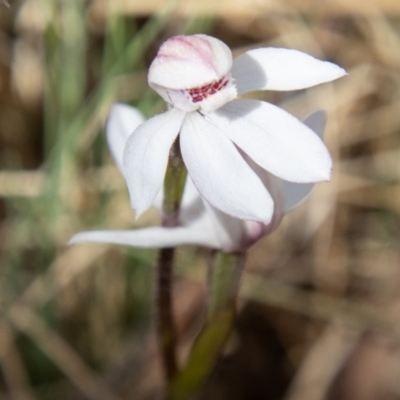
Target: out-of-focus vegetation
(319,300)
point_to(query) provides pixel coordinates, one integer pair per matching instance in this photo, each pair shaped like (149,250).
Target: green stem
(174,184)
(224,277)
(223,281)
(173,190)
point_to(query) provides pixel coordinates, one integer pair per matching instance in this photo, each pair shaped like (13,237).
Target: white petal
(219,172)
(296,193)
(229,230)
(186,62)
(121,122)
(254,232)
(281,69)
(316,121)
(238,235)
(146,157)
(275,140)
(154,237)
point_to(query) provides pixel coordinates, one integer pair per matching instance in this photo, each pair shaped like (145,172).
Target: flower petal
(154,237)
(185,62)
(281,69)
(275,140)
(296,193)
(253,231)
(220,173)
(238,235)
(146,157)
(121,122)
(316,121)
(228,230)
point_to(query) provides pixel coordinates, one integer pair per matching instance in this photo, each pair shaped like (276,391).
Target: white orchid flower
(198,79)
(201,223)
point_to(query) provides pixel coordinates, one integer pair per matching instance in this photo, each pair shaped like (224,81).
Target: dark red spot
(201,93)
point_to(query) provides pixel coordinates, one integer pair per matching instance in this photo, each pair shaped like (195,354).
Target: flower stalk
(174,185)
(225,271)
(173,190)
(223,281)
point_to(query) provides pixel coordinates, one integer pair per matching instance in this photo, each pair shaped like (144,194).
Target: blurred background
(319,307)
